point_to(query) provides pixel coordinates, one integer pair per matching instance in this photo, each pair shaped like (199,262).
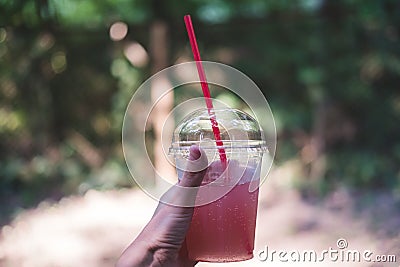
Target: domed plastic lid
(239,131)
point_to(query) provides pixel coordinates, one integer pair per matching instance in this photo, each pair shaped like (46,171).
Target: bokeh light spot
(101,125)
(118,31)
(9,120)
(136,54)
(46,41)
(3,35)
(59,62)
(8,88)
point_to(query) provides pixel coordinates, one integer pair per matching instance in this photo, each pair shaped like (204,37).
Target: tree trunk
(163,106)
(318,142)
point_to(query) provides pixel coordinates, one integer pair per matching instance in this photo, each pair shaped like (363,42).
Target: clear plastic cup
(224,219)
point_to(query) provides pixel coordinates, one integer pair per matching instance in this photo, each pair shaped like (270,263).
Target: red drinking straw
(204,87)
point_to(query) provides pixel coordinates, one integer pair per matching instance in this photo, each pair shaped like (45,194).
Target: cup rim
(233,147)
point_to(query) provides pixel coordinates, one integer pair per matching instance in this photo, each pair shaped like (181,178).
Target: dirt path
(93,230)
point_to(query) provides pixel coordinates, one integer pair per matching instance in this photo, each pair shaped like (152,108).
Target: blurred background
(68,68)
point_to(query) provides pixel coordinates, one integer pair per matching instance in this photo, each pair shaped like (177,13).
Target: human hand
(161,242)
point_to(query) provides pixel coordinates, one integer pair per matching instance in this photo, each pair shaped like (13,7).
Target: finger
(183,194)
(197,161)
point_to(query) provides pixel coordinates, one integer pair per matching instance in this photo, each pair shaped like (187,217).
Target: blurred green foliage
(330,70)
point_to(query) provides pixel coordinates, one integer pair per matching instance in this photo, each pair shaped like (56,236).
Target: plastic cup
(224,218)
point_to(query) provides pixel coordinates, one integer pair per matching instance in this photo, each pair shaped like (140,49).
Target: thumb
(183,194)
(195,169)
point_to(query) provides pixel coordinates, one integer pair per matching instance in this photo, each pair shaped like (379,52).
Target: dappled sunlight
(93,230)
(68,70)
(78,231)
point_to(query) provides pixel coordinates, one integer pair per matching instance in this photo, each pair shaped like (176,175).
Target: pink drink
(224,219)
(223,231)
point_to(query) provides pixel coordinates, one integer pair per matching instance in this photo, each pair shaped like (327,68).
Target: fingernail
(194,152)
